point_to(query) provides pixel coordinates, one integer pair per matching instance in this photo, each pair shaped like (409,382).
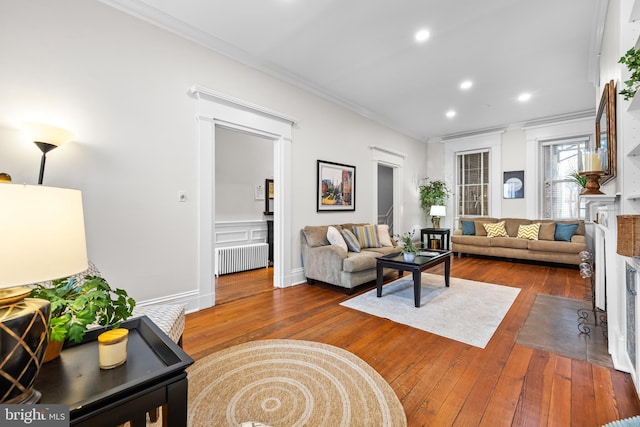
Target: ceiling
(362,54)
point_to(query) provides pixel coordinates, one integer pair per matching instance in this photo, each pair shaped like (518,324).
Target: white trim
(215,109)
(395,160)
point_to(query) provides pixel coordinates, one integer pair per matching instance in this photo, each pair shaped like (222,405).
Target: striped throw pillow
(529,231)
(351,240)
(367,236)
(496,229)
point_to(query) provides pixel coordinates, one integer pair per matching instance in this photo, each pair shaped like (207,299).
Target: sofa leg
(311,281)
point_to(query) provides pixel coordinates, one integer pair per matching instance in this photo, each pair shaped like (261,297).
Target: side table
(154,375)
(431,233)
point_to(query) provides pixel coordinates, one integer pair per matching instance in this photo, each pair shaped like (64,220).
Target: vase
(409,256)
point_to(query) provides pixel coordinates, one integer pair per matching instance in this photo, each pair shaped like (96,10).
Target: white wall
(513,159)
(121,85)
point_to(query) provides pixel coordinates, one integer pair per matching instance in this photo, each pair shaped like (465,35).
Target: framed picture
(336,187)
(513,185)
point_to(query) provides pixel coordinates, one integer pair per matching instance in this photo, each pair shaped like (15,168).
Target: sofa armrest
(324,263)
(577,238)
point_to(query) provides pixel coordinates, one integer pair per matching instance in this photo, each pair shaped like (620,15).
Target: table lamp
(437,212)
(43,238)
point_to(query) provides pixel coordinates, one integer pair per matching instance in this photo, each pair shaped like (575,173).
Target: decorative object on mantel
(5,177)
(593,185)
(606,132)
(629,235)
(578,179)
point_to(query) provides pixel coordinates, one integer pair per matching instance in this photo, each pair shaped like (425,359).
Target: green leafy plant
(408,246)
(433,193)
(579,179)
(632,60)
(76,305)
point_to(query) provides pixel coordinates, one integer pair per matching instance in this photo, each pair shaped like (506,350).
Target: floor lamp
(47,138)
(43,238)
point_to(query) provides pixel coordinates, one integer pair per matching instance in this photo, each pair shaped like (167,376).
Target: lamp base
(436,221)
(23,340)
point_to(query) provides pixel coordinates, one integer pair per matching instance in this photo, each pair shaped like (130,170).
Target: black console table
(154,375)
(443,239)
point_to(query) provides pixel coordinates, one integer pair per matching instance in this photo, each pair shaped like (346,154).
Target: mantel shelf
(599,199)
(633,197)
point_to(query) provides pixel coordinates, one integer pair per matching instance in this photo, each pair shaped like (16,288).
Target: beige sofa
(546,247)
(332,264)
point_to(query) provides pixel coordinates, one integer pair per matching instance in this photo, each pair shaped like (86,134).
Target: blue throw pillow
(565,231)
(468,228)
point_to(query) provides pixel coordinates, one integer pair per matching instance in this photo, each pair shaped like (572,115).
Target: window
(560,192)
(473,183)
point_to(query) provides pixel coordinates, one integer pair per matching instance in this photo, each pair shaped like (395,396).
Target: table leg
(379,279)
(176,406)
(417,286)
(447,270)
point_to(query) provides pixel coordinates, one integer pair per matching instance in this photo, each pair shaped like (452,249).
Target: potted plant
(433,193)
(75,305)
(409,248)
(581,180)
(632,60)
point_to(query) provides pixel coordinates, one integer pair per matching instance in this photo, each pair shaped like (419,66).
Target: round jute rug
(289,383)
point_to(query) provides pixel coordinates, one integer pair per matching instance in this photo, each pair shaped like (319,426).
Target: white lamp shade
(50,134)
(43,235)
(438,210)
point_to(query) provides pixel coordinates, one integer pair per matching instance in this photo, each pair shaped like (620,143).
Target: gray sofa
(332,264)
(545,248)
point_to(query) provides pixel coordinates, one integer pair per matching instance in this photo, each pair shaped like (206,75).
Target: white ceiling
(362,54)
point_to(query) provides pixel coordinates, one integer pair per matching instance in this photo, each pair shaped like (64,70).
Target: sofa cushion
(529,232)
(512,225)
(316,235)
(495,229)
(351,240)
(355,262)
(479,224)
(547,231)
(367,236)
(384,236)
(471,240)
(335,238)
(468,228)
(565,231)
(555,246)
(508,242)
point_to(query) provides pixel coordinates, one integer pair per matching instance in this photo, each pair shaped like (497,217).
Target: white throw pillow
(384,236)
(335,238)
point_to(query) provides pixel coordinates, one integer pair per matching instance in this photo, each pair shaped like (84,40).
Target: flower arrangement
(408,246)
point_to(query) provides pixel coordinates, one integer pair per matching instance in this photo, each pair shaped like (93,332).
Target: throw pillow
(496,229)
(565,231)
(468,228)
(479,225)
(351,240)
(367,236)
(529,231)
(384,236)
(335,238)
(547,231)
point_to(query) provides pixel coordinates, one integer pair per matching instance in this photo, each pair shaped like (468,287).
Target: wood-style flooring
(440,382)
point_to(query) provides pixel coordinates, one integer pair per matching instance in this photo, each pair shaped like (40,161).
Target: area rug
(552,325)
(289,383)
(467,311)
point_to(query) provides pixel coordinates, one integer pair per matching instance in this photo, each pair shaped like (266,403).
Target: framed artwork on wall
(336,187)
(513,184)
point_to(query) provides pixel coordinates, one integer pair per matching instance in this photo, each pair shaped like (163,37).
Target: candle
(591,161)
(112,348)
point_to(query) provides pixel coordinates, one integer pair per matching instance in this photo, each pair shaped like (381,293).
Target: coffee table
(423,261)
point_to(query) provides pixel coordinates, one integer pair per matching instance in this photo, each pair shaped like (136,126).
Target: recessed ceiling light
(466,84)
(422,35)
(524,97)
(451,114)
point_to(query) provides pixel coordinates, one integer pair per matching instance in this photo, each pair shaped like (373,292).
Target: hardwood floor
(439,381)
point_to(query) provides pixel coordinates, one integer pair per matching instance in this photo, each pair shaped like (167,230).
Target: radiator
(240,258)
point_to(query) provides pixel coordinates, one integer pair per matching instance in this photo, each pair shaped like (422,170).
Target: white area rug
(467,311)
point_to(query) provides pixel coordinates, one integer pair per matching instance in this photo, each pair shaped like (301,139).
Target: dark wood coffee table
(421,263)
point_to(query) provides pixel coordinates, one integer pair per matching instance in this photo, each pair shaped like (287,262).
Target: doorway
(385,196)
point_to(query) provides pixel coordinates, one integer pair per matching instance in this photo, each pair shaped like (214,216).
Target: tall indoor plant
(78,304)
(433,193)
